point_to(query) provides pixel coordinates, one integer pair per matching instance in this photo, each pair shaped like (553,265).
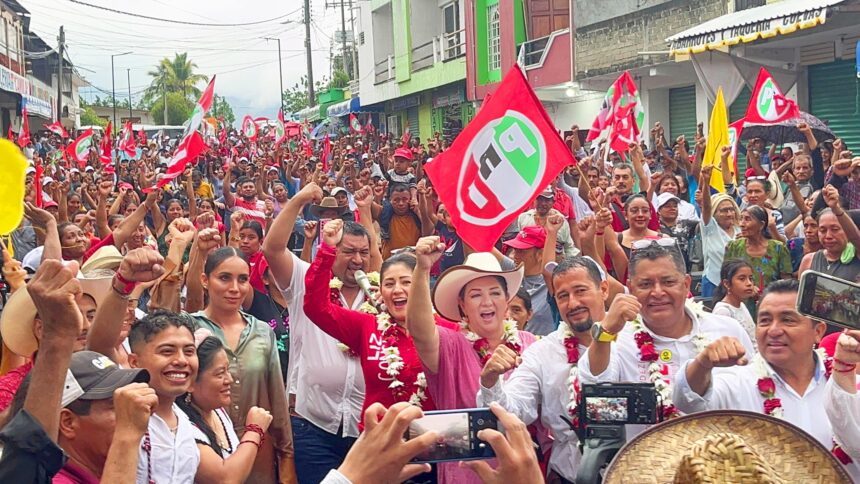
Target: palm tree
(175,75)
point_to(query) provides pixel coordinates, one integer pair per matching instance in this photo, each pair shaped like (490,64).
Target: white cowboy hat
(18,317)
(477,265)
(107,257)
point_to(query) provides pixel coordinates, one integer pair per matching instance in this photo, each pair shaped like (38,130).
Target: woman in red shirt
(392,370)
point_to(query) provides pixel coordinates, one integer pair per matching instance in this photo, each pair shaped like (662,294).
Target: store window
(494,37)
(455,36)
(394,125)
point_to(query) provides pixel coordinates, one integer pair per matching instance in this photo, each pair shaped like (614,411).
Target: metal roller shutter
(682,113)
(412,119)
(834,97)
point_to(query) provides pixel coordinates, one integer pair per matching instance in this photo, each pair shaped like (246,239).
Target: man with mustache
(541,379)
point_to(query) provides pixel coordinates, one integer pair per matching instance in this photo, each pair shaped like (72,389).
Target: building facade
(412,66)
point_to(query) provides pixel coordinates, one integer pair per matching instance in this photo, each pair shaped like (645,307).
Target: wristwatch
(601,335)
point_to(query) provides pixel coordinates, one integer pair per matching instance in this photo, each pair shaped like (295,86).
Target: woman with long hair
(224,276)
(769,258)
(224,457)
(736,287)
(638,212)
(476,294)
(839,236)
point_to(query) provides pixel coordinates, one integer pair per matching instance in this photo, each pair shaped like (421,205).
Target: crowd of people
(220,328)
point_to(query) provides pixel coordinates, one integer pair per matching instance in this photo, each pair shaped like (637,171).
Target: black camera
(618,404)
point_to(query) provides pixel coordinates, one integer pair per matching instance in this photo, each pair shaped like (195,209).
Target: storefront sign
(405,103)
(695,40)
(9,81)
(38,107)
(450,98)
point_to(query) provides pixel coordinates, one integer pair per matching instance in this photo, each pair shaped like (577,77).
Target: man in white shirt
(841,400)
(540,385)
(670,331)
(786,379)
(326,383)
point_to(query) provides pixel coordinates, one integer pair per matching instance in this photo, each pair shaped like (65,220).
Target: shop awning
(344,107)
(310,114)
(38,107)
(780,18)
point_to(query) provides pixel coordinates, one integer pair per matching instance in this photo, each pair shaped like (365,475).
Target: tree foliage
(296,97)
(222,108)
(89,116)
(179,109)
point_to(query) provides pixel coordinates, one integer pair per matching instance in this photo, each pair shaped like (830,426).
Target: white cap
(349,147)
(365,156)
(47,180)
(74,170)
(30,169)
(664,198)
(89,168)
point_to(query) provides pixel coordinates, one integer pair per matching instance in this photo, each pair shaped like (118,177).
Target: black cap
(93,376)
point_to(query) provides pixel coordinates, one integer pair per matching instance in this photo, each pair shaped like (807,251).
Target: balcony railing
(452,45)
(384,70)
(424,55)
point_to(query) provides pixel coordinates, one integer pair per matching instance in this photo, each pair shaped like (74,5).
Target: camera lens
(480,421)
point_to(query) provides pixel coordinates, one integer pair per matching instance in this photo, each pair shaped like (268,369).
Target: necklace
(226,442)
(510,338)
(393,363)
(773,406)
(571,346)
(335,286)
(648,354)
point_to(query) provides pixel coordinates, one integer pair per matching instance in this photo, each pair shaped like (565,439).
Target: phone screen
(829,299)
(456,435)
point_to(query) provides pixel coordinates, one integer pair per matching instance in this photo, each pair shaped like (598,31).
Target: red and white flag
(621,113)
(58,129)
(10,135)
(203,105)
(326,153)
(249,128)
(501,161)
(24,137)
(280,131)
(354,124)
(141,138)
(768,105)
(106,146)
(79,149)
(369,128)
(187,151)
(127,141)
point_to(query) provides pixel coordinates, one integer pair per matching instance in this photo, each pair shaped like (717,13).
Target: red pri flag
(106,156)
(126,142)
(58,129)
(188,150)
(141,137)
(79,149)
(326,152)
(768,105)
(249,128)
(10,135)
(404,140)
(24,138)
(354,124)
(499,164)
(621,113)
(735,130)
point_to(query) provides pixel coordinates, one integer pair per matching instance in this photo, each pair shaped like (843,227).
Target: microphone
(364,284)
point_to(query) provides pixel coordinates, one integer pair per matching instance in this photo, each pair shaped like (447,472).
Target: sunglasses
(665,242)
(403,250)
(759,177)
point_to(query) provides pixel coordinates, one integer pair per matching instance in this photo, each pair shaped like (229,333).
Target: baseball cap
(93,376)
(403,153)
(547,192)
(666,197)
(30,169)
(50,204)
(337,190)
(89,168)
(365,156)
(530,237)
(47,180)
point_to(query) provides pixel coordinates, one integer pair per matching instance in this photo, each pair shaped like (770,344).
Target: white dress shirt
(328,384)
(736,388)
(538,387)
(843,414)
(174,456)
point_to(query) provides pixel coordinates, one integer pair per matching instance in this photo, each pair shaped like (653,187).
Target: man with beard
(245,199)
(539,386)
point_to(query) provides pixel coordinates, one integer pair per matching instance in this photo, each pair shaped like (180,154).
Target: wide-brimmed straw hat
(19,314)
(107,257)
(477,265)
(725,446)
(327,203)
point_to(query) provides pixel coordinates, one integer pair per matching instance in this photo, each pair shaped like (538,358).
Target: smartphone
(320,226)
(829,299)
(457,432)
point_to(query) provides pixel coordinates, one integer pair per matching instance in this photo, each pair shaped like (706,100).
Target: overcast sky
(246,63)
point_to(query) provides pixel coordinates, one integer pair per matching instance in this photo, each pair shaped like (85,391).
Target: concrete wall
(613,45)
(590,12)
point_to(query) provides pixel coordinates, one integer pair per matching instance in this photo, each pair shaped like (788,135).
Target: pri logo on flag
(766,105)
(506,163)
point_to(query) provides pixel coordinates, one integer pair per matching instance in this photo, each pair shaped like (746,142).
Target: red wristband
(257,430)
(128,286)
(847,367)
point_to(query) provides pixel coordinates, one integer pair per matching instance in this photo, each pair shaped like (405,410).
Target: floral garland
(510,338)
(571,347)
(648,354)
(391,356)
(335,286)
(773,406)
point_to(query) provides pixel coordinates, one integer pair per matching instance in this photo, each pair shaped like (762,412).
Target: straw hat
(725,446)
(327,203)
(18,317)
(477,265)
(107,257)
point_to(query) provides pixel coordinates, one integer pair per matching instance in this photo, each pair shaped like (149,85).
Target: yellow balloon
(13,175)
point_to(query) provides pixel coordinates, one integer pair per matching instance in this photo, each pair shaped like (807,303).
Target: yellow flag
(718,136)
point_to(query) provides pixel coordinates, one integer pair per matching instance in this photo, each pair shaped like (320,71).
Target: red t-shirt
(254,210)
(10,382)
(98,245)
(74,474)
(564,204)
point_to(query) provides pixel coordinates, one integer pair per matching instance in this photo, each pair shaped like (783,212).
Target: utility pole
(128,72)
(311,94)
(61,41)
(353,53)
(343,41)
(164,87)
(113,84)
(280,73)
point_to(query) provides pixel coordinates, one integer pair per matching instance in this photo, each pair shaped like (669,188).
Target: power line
(181,22)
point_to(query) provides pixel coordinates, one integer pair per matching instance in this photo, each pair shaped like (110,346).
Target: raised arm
(189,193)
(364,201)
(831,197)
(637,159)
(275,243)
(129,224)
(45,222)
(206,241)
(419,308)
(229,198)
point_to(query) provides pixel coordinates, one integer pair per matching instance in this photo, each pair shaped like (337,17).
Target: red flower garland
(571,347)
(482,347)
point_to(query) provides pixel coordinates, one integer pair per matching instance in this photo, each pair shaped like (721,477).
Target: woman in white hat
(476,294)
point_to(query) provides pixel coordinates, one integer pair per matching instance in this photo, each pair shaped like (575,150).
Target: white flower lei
(511,333)
(335,283)
(391,356)
(655,374)
(366,307)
